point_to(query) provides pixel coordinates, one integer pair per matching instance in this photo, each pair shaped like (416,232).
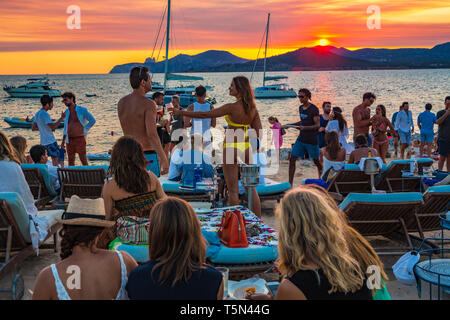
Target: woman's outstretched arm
(214,113)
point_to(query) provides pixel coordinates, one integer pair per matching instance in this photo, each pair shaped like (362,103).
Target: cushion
(382,198)
(174,187)
(17,207)
(51,216)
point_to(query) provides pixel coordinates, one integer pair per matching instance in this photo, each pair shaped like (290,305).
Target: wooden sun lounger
(392,180)
(85,183)
(428,214)
(37,186)
(14,248)
(389,219)
(348,181)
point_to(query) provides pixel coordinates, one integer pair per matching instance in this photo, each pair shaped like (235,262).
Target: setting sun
(323,42)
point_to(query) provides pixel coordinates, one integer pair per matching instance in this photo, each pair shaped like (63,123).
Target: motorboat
(275,91)
(25,123)
(35,88)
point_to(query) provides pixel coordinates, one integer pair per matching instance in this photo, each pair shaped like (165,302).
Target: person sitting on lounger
(362,150)
(333,155)
(193,157)
(176,269)
(97,274)
(175,160)
(39,155)
(316,267)
(11,175)
(131,190)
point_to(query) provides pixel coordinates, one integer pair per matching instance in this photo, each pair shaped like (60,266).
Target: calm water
(342,88)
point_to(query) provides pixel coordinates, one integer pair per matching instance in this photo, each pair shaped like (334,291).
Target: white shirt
(175,159)
(13,180)
(343,135)
(42,119)
(404,122)
(53,172)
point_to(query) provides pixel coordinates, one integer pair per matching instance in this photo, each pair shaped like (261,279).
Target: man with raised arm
(137,115)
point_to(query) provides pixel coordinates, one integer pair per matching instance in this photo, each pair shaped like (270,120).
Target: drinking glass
(224,271)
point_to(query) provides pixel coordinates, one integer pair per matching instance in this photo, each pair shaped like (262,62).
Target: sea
(341,88)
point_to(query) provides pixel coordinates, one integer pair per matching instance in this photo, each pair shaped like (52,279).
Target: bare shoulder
(128,260)
(43,285)
(123,100)
(289,291)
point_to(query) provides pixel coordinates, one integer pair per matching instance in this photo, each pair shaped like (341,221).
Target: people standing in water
(361,117)
(404,125)
(307,142)
(137,115)
(46,126)
(201,126)
(380,125)
(396,137)
(277,136)
(425,122)
(443,121)
(240,116)
(324,118)
(78,121)
(338,123)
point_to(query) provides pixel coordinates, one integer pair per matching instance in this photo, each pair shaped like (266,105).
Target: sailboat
(273,91)
(185,93)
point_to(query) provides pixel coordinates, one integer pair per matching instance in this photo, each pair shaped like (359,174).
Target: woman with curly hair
(102,274)
(131,190)
(314,251)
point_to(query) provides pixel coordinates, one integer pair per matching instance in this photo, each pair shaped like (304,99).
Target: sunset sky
(34,38)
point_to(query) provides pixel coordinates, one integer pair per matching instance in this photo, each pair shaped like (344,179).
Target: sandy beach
(305,169)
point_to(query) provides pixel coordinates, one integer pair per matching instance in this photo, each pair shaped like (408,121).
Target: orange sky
(34,38)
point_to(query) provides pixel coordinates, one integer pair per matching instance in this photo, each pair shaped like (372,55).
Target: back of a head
(428,106)
(36,153)
(19,143)
(156,95)
(176,240)
(46,99)
(74,235)
(447,99)
(200,91)
(137,74)
(361,140)
(128,166)
(312,231)
(7,151)
(332,144)
(245,91)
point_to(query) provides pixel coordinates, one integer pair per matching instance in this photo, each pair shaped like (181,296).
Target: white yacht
(35,88)
(273,91)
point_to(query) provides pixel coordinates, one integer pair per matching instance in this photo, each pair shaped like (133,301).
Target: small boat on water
(24,122)
(35,88)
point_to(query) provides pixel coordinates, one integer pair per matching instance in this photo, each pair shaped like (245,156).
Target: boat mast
(265,51)
(166,65)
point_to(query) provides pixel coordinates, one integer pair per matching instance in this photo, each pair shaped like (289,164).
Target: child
(415,149)
(277,133)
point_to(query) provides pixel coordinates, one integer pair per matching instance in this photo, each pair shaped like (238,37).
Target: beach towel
(363,160)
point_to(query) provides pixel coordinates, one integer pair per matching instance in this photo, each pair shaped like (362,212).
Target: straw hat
(86,212)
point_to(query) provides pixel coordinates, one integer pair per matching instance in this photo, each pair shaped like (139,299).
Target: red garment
(75,128)
(77,145)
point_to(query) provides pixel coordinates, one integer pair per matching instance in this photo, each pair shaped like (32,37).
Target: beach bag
(232,231)
(132,229)
(403,268)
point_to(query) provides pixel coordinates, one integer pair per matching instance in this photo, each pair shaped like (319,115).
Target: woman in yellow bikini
(240,116)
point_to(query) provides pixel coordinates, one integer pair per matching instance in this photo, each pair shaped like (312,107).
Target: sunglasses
(301,97)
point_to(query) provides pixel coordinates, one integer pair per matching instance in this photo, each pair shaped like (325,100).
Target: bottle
(370,153)
(411,164)
(416,168)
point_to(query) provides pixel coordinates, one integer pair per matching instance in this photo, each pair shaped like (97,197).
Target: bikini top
(234,124)
(121,295)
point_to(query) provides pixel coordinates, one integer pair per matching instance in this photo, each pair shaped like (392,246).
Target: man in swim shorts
(137,115)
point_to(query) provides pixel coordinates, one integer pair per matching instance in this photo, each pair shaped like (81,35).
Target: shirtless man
(137,115)
(361,117)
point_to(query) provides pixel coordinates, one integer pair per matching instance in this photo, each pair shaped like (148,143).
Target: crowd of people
(320,255)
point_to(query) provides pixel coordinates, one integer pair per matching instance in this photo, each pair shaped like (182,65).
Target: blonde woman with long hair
(176,269)
(314,252)
(242,116)
(20,145)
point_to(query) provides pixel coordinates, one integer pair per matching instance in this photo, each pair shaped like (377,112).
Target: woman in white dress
(339,124)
